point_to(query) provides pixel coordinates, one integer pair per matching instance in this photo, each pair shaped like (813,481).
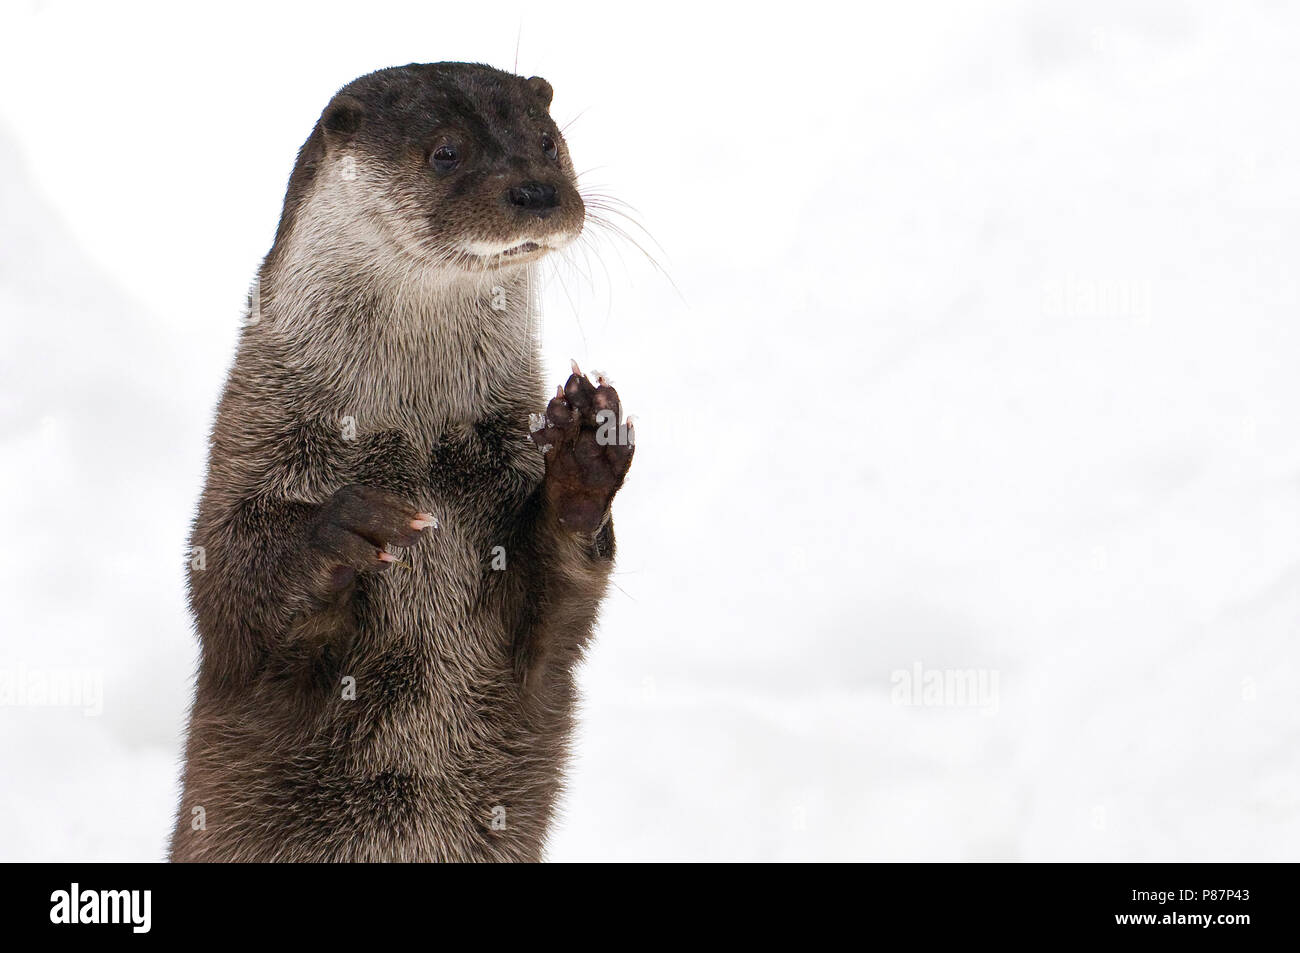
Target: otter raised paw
(588,450)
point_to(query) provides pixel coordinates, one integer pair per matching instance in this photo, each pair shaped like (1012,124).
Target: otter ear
(342,118)
(541,89)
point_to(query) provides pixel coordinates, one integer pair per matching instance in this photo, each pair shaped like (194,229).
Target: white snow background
(982,355)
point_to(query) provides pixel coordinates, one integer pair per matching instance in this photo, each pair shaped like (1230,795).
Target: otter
(397,560)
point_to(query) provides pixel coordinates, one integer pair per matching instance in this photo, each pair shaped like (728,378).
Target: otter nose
(533,196)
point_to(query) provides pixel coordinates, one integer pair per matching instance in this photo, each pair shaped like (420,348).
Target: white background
(979,352)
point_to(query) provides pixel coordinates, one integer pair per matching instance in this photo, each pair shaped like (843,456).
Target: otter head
(455,166)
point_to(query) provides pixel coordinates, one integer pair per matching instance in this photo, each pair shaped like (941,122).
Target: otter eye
(445,157)
(549,147)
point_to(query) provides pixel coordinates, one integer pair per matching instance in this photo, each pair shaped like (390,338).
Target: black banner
(1229,903)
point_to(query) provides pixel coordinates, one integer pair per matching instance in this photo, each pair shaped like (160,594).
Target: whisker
(566,126)
(572,304)
(603,208)
(615,229)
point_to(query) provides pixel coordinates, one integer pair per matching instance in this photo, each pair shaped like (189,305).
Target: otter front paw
(356,526)
(588,451)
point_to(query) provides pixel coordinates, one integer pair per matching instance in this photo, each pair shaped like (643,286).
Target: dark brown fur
(385,373)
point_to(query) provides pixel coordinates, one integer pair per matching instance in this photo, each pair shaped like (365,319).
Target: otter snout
(536,197)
